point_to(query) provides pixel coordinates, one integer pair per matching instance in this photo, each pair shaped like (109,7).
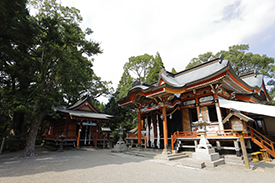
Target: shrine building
(212,89)
(79,124)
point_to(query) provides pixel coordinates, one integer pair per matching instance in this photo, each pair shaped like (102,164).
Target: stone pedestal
(120,147)
(62,137)
(204,150)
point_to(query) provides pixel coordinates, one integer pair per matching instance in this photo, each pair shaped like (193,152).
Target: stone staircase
(170,157)
(156,154)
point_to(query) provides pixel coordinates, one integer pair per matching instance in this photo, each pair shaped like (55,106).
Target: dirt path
(97,165)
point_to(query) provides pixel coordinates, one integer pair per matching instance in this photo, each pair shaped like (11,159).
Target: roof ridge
(198,66)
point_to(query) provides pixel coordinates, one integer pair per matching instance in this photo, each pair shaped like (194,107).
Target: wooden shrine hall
(79,124)
(212,89)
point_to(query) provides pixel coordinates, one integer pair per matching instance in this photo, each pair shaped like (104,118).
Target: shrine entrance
(174,122)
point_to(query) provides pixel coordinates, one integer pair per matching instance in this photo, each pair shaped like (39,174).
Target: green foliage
(173,71)
(124,116)
(15,32)
(144,68)
(43,61)
(201,59)
(140,66)
(155,69)
(242,62)
(125,84)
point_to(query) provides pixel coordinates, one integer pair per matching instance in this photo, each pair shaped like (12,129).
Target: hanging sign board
(88,124)
(237,125)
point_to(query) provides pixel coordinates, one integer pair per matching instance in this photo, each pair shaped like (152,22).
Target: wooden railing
(262,141)
(193,134)
(177,134)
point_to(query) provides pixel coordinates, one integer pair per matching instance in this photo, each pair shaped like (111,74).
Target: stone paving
(98,165)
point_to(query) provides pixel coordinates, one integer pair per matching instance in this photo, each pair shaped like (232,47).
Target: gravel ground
(98,165)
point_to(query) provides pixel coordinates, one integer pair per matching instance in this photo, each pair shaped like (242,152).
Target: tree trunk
(18,120)
(30,148)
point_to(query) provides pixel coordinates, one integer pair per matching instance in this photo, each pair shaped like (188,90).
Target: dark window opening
(193,115)
(223,111)
(212,113)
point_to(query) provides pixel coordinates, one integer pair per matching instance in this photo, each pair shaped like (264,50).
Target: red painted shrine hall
(80,124)
(212,89)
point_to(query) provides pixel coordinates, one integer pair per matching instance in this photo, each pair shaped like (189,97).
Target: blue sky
(179,30)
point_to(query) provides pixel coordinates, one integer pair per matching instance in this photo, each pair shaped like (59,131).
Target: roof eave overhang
(72,116)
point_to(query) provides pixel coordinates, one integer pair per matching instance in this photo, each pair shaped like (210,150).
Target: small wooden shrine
(79,123)
(175,101)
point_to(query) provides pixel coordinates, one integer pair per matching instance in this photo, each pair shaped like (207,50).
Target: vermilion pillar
(165,133)
(139,128)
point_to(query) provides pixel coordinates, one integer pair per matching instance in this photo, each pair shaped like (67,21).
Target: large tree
(241,60)
(16,30)
(54,67)
(139,69)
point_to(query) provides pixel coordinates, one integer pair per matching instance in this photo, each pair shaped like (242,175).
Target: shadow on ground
(11,164)
(263,165)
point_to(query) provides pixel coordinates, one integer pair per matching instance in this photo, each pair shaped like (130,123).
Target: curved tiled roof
(214,71)
(196,74)
(71,110)
(85,114)
(254,81)
(78,103)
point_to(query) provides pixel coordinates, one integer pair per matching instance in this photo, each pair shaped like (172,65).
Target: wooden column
(198,111)
(218,110)
(245,157)
(139,128)
(165,131)
(78,136)
(219,116)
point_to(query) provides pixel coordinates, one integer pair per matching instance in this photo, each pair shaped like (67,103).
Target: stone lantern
(120,145)
(204,145)
(204,151)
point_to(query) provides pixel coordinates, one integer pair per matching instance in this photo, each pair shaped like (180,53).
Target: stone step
(141,153)
(170,157)
(157,154)
(217,162)
(152,150)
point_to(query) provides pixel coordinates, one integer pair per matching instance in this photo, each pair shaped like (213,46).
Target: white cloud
(178,30)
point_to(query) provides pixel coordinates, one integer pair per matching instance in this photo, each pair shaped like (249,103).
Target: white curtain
(158,133)
(152,136)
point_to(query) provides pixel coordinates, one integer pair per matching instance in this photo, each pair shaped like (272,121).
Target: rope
(170,112)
